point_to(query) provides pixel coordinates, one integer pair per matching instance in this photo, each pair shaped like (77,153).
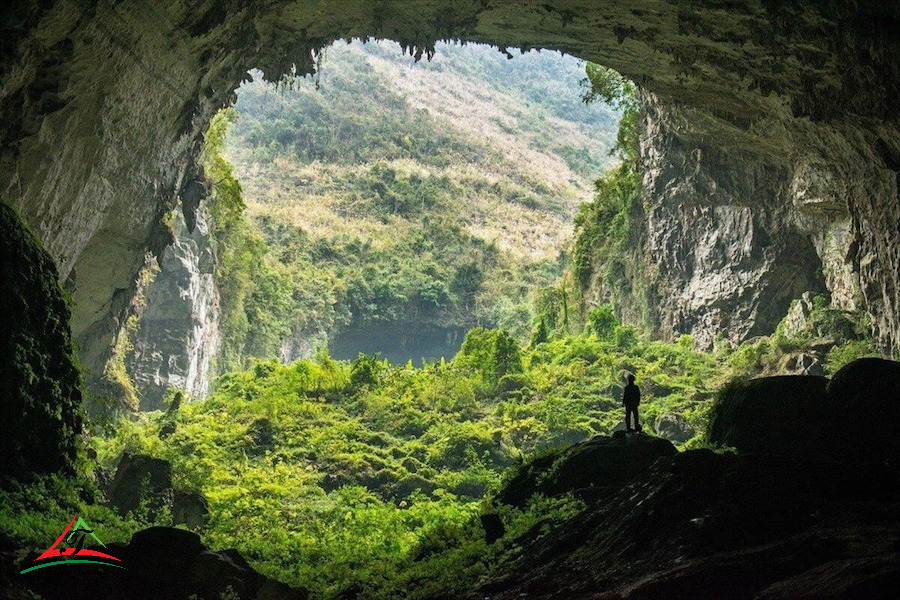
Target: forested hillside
(404,203)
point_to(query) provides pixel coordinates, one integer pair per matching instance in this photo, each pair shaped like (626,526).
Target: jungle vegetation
(369,476)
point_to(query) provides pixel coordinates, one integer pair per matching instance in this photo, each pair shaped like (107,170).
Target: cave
(770,139)
(771,130)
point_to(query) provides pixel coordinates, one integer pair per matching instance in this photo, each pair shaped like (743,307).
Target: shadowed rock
(674,428)
(708,526)
(190,509)
(137,476)
(601,461)
(775,416)
(40,385)
(493,527)
(866,396)
(161,562)
(854,418)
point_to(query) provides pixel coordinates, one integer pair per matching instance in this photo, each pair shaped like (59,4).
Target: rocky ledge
(761,523)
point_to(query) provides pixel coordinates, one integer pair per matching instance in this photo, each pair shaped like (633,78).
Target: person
(631,397)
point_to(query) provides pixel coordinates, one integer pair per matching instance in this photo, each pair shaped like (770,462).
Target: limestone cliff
(104,104)
(727,239)
(178,335)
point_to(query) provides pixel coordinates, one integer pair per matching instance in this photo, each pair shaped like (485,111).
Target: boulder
(601,461)
(493,527)
(854,418)
(674,428)
(275,590)
(190,509)
(866,398)
(163,562)
(775,416)
(140,475)
(804,364)
(214,575)
(163,550)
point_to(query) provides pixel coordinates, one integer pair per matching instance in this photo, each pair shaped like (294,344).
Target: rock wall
(731,236)
(723,249)
(178,335)
(40,385)
(104,105)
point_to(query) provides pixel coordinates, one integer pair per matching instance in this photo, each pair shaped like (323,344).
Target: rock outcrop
(853,418)
(705,525)
(142,482)
(104,106)
(40,384)
(178,337)
(723,251)
(162,562)
(140,479)
(866,396)
(773,416)
(602,462)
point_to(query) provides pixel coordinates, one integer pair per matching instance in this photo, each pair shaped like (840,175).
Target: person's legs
(637,422)
(628,411)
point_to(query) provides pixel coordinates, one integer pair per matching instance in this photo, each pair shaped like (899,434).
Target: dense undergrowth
(327,473)
(363,475)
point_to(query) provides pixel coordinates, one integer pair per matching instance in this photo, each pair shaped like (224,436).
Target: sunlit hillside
(461,175)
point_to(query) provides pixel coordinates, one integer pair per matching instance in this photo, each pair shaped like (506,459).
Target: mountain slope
(433,196)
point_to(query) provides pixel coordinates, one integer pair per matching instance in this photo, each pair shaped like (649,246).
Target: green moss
(41,419)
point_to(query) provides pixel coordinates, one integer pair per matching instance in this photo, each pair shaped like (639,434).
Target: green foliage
(610,87)
(380,215)
(840,355)
(277,281)
(606,253)
(34,515)
(329,474)
(845,336)
(602,322)
(494,354)
(608,233)
(257,299)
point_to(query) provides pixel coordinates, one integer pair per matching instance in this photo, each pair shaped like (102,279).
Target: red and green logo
(75,552)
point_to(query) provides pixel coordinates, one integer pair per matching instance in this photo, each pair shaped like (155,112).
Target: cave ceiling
(104,105)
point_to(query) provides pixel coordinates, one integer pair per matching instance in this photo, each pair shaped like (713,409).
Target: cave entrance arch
(787,107)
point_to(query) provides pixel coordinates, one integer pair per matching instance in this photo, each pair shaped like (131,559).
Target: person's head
(630,378)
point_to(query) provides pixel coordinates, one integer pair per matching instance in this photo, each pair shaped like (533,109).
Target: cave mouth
(740,105)
(770,148)
(399,203)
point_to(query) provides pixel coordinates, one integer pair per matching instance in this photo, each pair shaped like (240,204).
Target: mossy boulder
(674,428)
(40,407)
(138,478)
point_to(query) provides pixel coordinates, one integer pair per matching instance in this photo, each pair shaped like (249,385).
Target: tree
(602,322)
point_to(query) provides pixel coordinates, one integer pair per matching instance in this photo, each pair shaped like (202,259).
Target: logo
(75,552)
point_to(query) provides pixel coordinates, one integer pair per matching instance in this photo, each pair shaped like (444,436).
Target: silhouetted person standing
(631,397)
